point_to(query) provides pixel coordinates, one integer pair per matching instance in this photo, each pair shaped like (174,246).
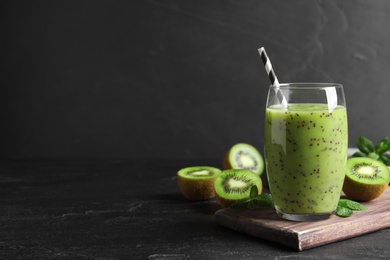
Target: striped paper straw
(272,77)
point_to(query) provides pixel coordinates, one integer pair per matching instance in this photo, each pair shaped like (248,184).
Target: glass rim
(308,85)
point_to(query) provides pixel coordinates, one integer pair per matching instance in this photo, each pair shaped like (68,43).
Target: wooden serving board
(266,224)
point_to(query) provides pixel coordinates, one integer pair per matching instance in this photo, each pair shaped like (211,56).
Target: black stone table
(130,209)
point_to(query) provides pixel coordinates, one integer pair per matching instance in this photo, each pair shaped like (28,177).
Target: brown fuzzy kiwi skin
(226,202)
(226,163)
(363,192)
(198,189)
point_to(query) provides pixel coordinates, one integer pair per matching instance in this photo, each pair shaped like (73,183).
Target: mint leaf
(383,146)
(374,156)
(344,212)
(241,204)
(359,154)
(252,204)
(385,158)
(366,148)
(342,203)
(264,200)
(259,201)
(365,145)
(350,204)
(254,192)
(345,207)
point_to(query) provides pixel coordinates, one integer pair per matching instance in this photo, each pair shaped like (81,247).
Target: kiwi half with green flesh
(244,156)
(197,183)
(235,184)
(366,179)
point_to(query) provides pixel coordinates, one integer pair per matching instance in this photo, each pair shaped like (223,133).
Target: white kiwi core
(366,170)
(200,173)
(247,161)
(236,183)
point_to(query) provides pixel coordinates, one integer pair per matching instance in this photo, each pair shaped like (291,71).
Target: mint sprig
(377,152)
(353,205)
(254,201)
(343,212)
(344,209)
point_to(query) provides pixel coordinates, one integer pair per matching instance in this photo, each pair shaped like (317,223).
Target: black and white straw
(272,76)
(268,67)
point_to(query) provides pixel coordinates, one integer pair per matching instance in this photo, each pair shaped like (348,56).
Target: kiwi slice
(244,156)
(197,183)
(365,179)
(235,184)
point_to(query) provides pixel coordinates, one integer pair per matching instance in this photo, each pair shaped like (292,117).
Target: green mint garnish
(241,204)
(254,201)
(264,201)
(365,145)
(350,204)
(254,191)
(378,152)
(383,146)
(344,212)
(385,158)
(344,209)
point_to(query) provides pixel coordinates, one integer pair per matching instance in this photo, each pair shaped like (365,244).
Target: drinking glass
(306,144)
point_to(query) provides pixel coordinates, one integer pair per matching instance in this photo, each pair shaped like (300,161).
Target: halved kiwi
(235,184)
(366,179)
(244,156)
(197,182)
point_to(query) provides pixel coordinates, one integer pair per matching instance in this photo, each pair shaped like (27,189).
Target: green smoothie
(306,152)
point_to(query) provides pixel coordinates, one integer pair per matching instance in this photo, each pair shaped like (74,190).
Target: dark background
(178,79)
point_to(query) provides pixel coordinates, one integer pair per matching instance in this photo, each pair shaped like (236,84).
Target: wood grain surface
(266,224)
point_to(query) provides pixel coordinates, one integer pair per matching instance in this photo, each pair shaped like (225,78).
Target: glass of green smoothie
(306,143)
